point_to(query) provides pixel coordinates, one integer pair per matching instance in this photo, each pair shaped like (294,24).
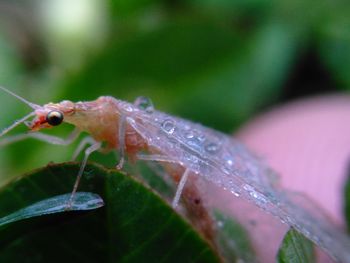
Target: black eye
(54,118)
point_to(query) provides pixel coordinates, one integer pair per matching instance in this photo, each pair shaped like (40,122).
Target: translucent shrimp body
(200,151)
(225,162)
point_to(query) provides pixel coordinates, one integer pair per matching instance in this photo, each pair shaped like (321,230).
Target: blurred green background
(218,62)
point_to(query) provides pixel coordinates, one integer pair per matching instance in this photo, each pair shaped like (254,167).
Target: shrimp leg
(164,158)
(121,140)
(42,137)
(86,141)
(96,146)
(180,188)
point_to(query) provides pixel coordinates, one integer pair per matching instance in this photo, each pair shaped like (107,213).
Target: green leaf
(57,204)
(122,8)
(335,53)
(135,225)
(233,239)
(333,41)
(347,202)
(296,248)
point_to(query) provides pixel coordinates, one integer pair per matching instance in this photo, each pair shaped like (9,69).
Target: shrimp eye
(54,118)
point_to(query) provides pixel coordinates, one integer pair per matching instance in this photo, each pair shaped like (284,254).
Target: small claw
(120,165)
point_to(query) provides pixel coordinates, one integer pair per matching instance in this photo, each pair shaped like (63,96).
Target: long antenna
(30,104)
(16,123)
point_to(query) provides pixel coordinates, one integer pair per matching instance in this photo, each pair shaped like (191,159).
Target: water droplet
(255,194)
(235,192)
(220,224)
(128,108)
(168,126)
(189,135)
(145,104)
(212,147)
(201,137)
(226,169)
(228,166)
(190,157)
(229,162)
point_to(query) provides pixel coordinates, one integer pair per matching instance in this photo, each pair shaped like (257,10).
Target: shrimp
(187,150)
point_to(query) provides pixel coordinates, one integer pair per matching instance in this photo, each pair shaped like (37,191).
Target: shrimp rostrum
(186,149)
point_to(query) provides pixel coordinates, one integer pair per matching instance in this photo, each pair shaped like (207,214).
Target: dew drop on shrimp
(145,104)
(212,147)
(168,126)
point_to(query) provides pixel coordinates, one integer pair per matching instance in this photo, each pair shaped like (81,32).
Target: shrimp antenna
(30,104)
(16,123)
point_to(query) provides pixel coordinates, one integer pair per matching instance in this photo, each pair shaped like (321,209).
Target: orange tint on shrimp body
(100,118)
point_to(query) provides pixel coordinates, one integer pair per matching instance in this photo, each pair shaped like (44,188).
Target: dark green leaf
(334,42)
(122,8)
(233,239)
(347,202)
(135,225)
(296,248)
